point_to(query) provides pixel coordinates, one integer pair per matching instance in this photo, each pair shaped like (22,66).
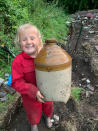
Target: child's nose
(29,41)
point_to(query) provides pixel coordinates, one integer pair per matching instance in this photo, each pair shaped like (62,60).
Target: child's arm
(18,82)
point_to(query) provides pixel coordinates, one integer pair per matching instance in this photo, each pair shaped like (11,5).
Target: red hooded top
(23,75)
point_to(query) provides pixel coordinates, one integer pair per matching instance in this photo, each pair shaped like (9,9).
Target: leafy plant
(49,19)
(76,93)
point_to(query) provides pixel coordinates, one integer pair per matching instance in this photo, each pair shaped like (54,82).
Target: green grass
(50,19)
(52,22)
(5,69)
(4,105)
(5,63)
(76,93)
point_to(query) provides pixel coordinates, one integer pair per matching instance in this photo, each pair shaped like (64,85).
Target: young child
(23,76)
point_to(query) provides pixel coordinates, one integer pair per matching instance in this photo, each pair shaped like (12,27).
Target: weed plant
(76,93)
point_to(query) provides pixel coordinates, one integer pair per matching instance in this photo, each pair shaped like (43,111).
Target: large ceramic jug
(53,67)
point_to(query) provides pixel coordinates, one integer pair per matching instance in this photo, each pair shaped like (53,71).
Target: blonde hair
(24,27)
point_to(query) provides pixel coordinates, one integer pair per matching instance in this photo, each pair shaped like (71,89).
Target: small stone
(88,81)
(68,22)
(79,84)
(73,21)
(86,60)
(96,47)
(6,75)
(6,83)
(82,74)
(9,90)
(91,32)
(88,93)
(86,27)
(85,18)
(52,120)
(94,65)
(5,98)
(83,79)
(78,16)
(96,86)
(65,39)
(56,118)
(96,20)
(96,16)
(2,94)
(90,87)
(89,26)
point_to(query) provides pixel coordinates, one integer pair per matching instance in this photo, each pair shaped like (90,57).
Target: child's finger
(40,100)
(40,95)
(44,99)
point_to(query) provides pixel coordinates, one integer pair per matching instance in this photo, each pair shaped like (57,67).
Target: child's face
(29,41)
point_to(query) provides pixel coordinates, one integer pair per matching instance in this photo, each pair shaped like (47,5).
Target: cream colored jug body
(53,73)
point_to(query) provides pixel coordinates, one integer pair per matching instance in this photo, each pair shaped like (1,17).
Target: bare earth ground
(73,116)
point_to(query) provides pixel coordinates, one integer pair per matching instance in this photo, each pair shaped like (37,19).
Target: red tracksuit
(24,82)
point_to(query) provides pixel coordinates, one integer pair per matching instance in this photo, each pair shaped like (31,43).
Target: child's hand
(39,97)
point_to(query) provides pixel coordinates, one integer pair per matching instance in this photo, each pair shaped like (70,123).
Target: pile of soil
(74,116)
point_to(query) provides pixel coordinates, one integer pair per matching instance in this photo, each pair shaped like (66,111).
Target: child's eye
(32,38)
(24,39)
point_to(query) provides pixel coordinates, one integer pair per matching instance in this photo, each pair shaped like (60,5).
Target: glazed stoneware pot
(53,67)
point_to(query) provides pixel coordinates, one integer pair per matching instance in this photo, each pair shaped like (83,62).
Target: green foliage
(76,93)
(5,62)
(75,5)
(48,18)
(5,69)
(51,22)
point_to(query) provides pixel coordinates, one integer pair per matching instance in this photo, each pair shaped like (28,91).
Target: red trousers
(34,110)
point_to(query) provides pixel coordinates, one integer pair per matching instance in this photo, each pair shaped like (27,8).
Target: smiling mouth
(30,46)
